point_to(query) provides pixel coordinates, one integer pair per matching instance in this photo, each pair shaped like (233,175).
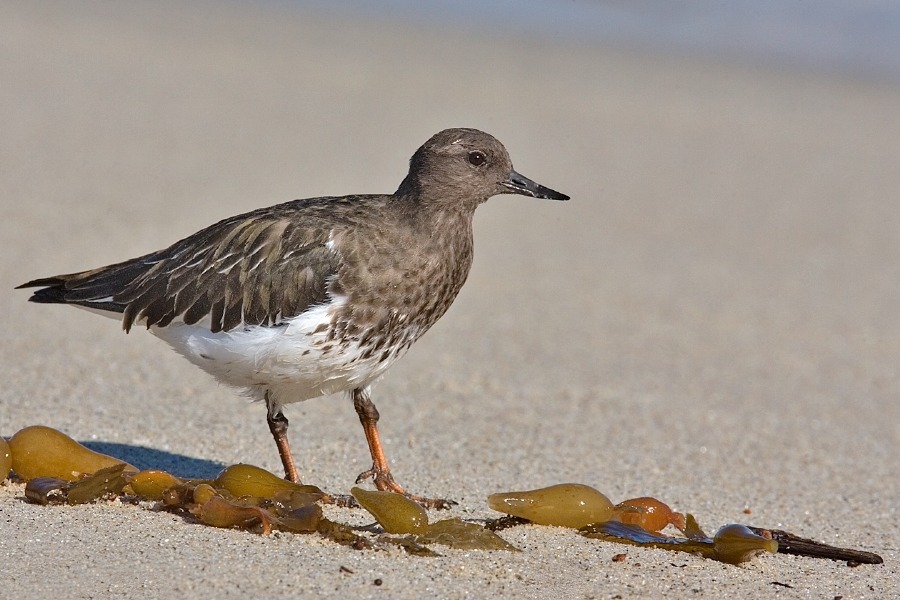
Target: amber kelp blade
(110,480)
(400,515)
(565,505)
(52,490)
(5,459)
(40,451)
(151,484)
(247,480)
(463,535)
(394,512)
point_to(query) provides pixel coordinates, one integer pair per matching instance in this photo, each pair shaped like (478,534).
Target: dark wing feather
(254,269)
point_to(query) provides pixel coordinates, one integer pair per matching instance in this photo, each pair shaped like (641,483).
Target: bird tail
(95,289)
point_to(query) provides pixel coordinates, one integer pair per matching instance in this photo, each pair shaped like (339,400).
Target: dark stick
(788,543)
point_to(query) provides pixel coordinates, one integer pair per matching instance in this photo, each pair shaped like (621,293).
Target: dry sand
(712,319)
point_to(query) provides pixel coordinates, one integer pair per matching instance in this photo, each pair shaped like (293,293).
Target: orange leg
(380,473)
(278,425)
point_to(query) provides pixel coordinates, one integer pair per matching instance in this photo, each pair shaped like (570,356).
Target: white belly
(293,361)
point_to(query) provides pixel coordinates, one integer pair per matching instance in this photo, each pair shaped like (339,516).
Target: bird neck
(431,199)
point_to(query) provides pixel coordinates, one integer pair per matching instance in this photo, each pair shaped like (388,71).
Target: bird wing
(254,269)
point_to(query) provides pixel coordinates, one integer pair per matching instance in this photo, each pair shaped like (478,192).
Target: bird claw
(370,474)
(384,481)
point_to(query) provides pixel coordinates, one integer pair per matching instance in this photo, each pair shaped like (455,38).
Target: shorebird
(316,296)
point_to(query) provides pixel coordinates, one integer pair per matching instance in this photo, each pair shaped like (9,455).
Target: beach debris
(395,513)
(5,459)
(39,451)
(248,481)
(59,470)
(54,490)
(399,515)
(732,544)
(638,522)
(564,505)
(152,483)
(648,513)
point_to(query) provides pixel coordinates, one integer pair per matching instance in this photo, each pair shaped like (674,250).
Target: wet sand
(712,319)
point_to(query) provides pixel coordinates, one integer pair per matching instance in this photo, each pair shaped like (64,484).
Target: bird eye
(476,158)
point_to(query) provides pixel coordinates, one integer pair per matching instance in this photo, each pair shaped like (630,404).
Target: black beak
(519,184)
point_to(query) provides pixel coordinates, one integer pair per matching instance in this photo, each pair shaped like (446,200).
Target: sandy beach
(713,319)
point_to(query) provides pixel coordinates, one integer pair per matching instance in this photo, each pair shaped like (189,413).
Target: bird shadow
(142,457)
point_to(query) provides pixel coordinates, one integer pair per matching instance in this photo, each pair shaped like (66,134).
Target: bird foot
(384,481)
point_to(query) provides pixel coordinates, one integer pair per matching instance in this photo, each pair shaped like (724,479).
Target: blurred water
(858,38)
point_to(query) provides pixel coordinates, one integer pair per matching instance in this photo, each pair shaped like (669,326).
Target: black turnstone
(316,296)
